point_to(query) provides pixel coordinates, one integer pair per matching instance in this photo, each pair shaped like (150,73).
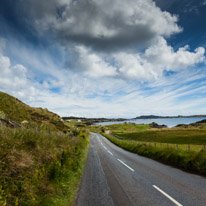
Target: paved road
(114,176)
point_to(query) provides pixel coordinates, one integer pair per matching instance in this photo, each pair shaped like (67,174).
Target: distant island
(90,121)
(161,117)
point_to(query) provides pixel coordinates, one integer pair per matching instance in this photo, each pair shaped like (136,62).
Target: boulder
(155,125)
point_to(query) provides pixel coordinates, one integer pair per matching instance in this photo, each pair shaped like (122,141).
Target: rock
(25,122)
(9,123)
(202,121)
(155,125)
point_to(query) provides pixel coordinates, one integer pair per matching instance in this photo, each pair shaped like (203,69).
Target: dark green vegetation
(38,165)
(188,160)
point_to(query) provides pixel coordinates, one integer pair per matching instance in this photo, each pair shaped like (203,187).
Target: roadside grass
(193,138)
(194,161)
(41,168)
(94,128)
(180,147)
(186,147)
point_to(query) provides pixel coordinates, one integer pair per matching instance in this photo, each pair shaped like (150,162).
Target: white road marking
(125,165)
(109,152)
(165,194)
(104,147)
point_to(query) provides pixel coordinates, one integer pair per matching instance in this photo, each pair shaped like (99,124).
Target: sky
(105,58)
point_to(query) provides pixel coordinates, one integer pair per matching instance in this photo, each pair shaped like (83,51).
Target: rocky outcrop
(155,125)
(8,123)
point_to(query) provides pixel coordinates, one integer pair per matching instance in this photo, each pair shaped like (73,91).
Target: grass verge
(40,168)
(188,160)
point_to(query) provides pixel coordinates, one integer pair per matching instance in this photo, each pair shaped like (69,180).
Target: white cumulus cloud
(142,66)
(90,63)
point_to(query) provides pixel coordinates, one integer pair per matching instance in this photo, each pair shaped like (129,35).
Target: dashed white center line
(125,165)
(109,152)
(104,147)
(165,194)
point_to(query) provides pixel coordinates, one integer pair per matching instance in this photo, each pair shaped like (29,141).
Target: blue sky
(105,58)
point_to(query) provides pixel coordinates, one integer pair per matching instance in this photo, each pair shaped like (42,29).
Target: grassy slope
(17,111)
(39,167)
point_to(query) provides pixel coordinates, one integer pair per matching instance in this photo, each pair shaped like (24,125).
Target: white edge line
(125,165)
(109,152)
(169,197)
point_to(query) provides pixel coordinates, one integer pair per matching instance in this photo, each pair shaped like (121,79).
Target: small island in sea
(161,117)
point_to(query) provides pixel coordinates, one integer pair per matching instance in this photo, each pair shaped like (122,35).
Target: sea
(170,122)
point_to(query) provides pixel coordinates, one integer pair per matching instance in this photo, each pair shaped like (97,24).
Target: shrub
(102,129)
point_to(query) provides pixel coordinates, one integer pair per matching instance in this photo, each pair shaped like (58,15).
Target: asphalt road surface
(113,176)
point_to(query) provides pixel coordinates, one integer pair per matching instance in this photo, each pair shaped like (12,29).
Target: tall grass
(189,160)
(40,168)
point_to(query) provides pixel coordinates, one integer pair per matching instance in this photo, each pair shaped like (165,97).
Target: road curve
(113,176)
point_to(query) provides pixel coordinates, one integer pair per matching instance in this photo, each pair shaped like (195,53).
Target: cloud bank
(104,97)
(103,24)
(117,39)
(102,37)
(116,60)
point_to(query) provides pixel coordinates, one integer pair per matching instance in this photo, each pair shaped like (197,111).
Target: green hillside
(14,110)
(38,166)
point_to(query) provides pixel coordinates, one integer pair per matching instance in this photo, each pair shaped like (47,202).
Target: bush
(102,129)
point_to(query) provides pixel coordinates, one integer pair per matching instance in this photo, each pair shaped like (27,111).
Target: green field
(189,136)
(195,137)
(192,160)
(180,147)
